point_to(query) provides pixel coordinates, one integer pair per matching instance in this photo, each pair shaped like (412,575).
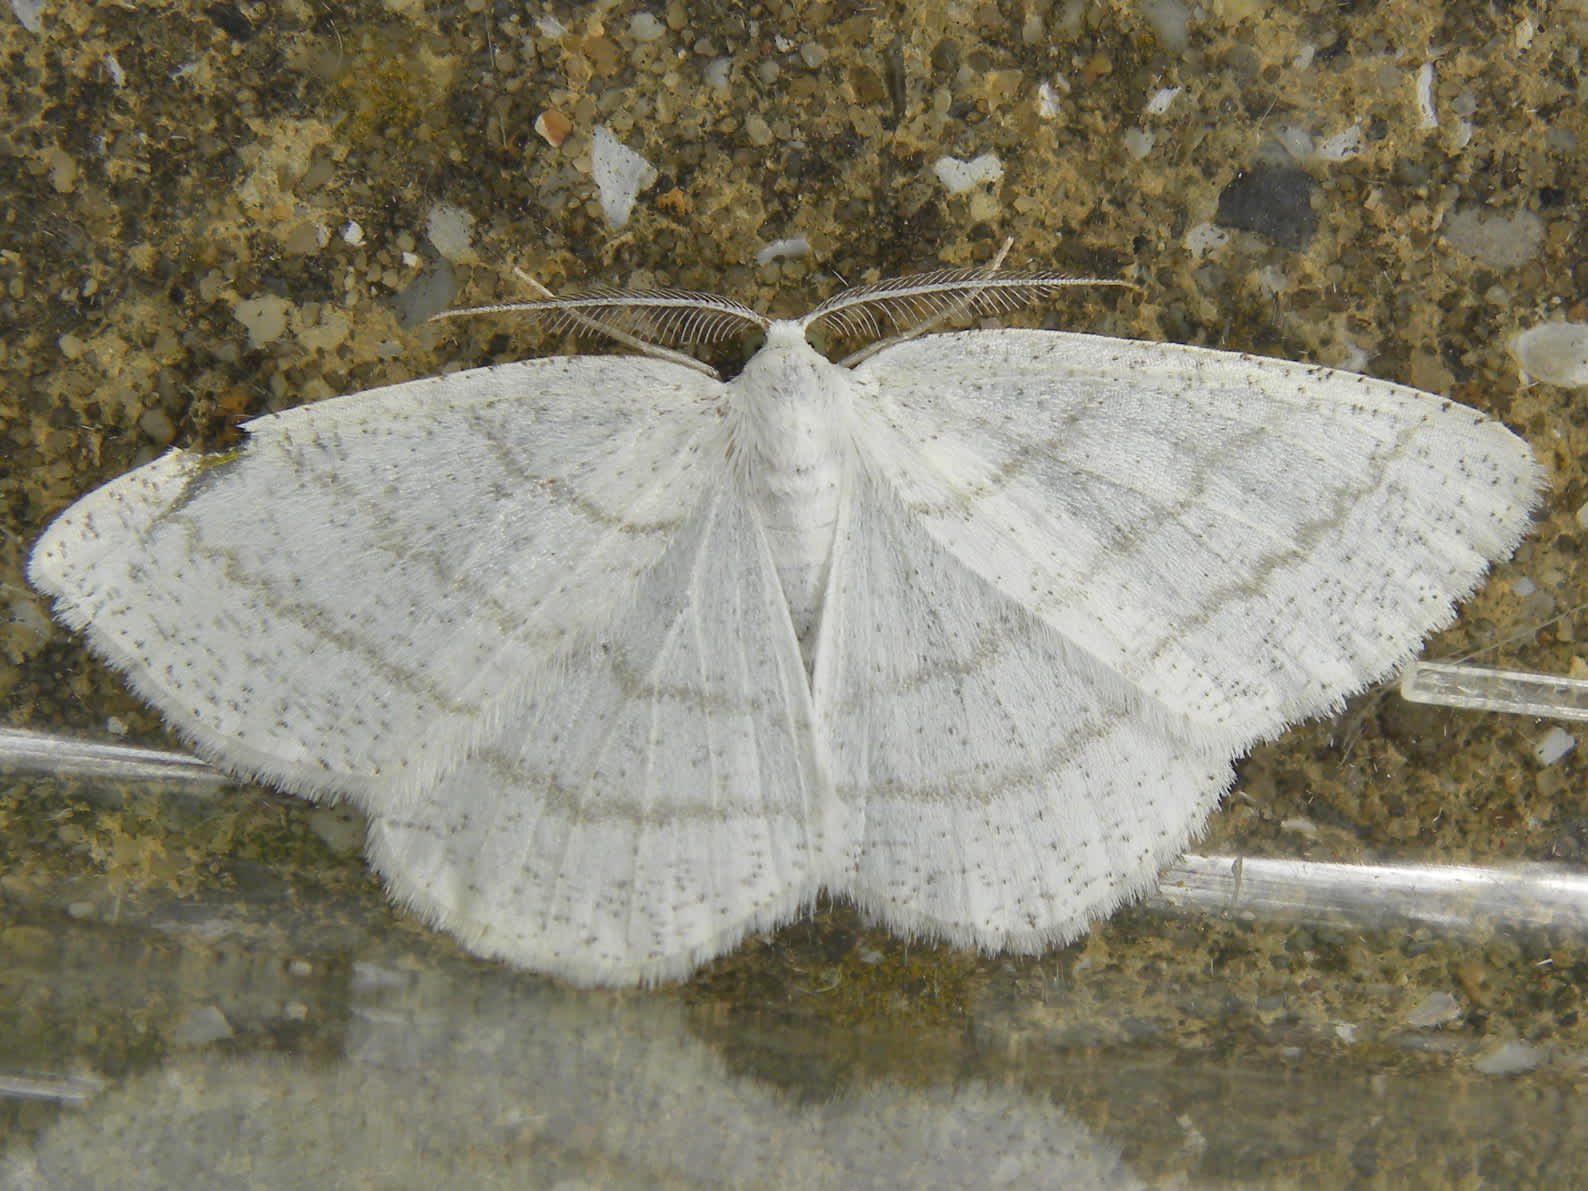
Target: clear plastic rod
(1482,689)
(24,751)
(1378,896)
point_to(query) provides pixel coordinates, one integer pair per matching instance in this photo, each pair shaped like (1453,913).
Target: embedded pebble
(1555,353)
(1161,99)
(644,27)
(620,174)
(1511,1058)
(781,249)
(430,292)
(201,1026)
(1342,146)
(1139,142)
(1553,745)
(1504,241)
(265,318)
(1436,1009)
(29,14)
(758,130)
(1203,238)
(157,426)
(450,231)
(1428,115)
(1275,202)
(553,127)
(959,176)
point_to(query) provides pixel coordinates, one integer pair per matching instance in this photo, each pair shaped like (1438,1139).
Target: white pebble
(265,318)
(1436,1009)
(1555,353)
(1161,100)
(1511,1058)
(1428,115)
(620,174)
(450,230)
(958,176)
(780,249)
(644,27)
(1139,143)
(29,14)
(1342,146)
(201,1026)
(1203,238)
(1553,745)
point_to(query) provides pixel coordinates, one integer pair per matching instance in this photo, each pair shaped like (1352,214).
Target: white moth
(624,661)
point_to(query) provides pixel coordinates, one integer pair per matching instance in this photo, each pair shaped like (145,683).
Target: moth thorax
(796,454)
